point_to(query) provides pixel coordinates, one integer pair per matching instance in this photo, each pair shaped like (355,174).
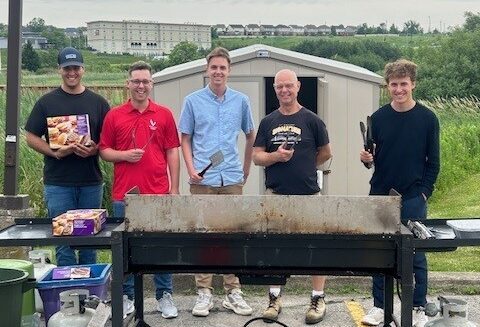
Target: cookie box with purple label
(79,222)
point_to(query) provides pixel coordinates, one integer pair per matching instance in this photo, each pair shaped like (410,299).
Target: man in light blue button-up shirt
(211,121)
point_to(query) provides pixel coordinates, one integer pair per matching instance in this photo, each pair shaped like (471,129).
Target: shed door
(253,88)
(307,97)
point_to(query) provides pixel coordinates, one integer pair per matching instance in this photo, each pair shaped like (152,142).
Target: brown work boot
(317,309)
(274,308)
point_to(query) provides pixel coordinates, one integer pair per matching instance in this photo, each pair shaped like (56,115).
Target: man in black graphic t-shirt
(291,142)
(71,175)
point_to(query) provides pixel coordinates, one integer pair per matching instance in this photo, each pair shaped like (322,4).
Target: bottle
(72,310)
(41,265)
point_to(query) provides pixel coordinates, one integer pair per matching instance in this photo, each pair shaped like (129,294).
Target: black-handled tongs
(367,138)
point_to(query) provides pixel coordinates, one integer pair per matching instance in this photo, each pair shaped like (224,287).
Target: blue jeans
(163,282)
(59,199)
(415,208)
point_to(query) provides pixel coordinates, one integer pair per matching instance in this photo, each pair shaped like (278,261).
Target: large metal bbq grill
(265,239)
(262,239)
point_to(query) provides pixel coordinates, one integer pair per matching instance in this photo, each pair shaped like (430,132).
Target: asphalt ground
(347,298)
(342,311)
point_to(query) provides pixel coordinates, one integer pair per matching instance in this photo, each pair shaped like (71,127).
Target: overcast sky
(439,14)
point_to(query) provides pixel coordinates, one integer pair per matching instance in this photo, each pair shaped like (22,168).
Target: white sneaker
(234,301)
(419,319)
(166,306)
(204,303)
(374,317)
(128,306)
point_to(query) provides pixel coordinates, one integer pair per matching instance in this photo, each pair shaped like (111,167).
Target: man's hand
(85,151)
(282,154)
(194,177)
(174,191)
(366,157)
(133,155)
(64,151)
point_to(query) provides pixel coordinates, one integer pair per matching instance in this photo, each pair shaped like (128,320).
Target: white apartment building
(144,37)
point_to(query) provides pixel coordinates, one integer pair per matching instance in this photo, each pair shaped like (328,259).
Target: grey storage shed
(340,93)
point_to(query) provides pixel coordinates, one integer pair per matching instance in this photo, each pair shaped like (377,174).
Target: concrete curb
(439,282)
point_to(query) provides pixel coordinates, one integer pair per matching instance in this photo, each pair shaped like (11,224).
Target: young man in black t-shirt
(71,174)
(291,142)
(407,159)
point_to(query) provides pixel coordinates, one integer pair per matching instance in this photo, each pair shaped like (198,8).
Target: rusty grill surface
(281,214)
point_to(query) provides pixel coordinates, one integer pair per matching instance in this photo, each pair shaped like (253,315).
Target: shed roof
(250,52)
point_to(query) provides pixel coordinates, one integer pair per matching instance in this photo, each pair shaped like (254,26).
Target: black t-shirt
(407,155)
(298,176)
(71,170)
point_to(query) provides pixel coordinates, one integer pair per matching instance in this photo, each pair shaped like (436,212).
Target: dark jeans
(415,208)
(58,200)
(163,282)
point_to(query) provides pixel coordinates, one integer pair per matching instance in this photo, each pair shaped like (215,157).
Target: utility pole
(10,199)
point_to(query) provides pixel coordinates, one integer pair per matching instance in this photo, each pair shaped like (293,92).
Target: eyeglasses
(137,82)
(289,86)
(151,131)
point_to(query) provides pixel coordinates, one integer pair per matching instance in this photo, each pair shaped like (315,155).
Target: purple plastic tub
(50,289)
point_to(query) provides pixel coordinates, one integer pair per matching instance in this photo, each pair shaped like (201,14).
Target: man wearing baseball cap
(71,175)
(70,57)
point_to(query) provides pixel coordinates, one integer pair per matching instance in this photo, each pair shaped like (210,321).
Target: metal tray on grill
(465,228)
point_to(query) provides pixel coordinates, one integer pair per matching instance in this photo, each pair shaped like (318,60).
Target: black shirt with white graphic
(306,132)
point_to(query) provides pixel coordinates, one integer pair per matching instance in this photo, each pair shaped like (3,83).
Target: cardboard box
(71,272)
(79,222)
(64,130)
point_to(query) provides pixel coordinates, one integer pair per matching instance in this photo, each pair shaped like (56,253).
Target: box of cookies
(64,130)
(79,222)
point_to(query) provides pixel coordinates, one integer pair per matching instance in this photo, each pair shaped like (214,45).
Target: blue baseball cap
(70,57)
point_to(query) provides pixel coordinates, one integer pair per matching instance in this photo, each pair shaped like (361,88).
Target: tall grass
(459,141)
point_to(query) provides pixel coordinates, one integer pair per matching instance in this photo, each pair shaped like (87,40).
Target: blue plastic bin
(50,289)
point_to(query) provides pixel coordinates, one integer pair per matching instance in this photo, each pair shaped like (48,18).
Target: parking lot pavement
(294,308)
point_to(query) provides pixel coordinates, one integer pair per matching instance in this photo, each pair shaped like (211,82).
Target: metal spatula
(215,160)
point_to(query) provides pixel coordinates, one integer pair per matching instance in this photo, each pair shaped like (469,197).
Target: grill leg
(388,299)
(407,281)
(138,289)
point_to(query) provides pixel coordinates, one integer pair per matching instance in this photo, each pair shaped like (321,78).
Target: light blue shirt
(214,124)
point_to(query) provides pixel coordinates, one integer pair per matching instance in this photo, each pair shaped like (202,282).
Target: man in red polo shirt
(141,139)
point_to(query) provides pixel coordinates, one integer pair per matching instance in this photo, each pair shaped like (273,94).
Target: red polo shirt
(153,130)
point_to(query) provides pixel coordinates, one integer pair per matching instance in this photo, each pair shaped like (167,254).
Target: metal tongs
(419,230)
(367,138)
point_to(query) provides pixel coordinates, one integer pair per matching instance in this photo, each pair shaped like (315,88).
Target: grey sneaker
(235,302)
(419,319)
(204,303)
(374,317)
(166,306)
(128,306)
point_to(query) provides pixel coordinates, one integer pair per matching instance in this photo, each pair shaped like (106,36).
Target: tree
(56,36)
(3,30)
(412,27)
(30,59)
(393,29)
(213,33)
(36,25)
(472,21)
(183,52)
